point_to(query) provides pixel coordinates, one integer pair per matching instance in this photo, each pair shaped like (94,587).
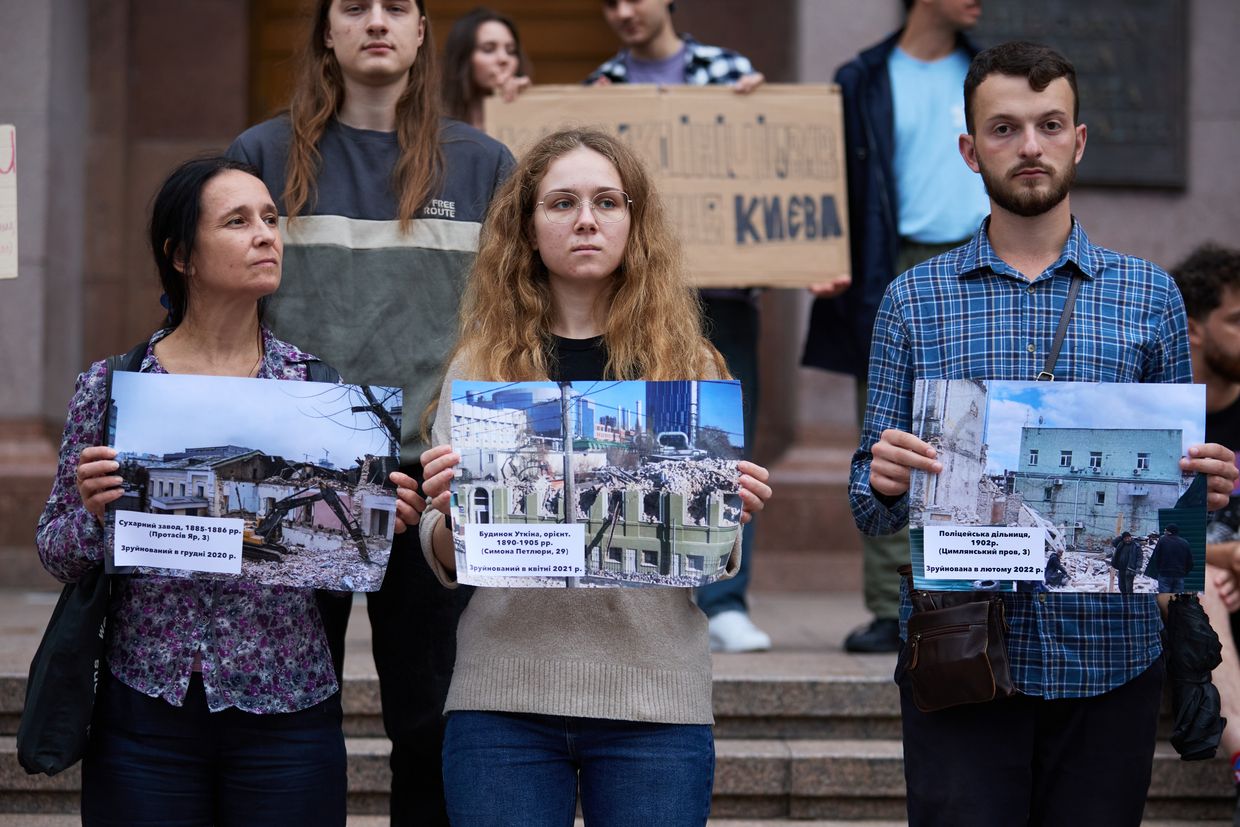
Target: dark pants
(1028,761)
(413,630)
(152,764)
(732,325)
(1126,578)
(509,769)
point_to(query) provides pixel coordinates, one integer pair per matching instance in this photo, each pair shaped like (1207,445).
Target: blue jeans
(1171,585)
(502,768)
(152,764)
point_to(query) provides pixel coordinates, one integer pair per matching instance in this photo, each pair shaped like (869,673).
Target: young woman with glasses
(556,691)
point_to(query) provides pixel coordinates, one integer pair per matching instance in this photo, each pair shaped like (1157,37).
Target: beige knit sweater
(633,654)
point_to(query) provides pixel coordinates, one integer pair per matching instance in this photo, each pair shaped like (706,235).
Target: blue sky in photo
(720,401)
(1013,405)
(167,413)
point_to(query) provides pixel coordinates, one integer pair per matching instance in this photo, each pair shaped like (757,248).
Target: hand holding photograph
(589,484)
(1058,486)
(276,482)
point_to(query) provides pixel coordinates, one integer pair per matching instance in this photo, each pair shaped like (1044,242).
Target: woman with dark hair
(219,705)
(381,203)
(482,57)
(602,694)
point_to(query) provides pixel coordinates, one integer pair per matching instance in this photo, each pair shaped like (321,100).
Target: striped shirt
(966,314)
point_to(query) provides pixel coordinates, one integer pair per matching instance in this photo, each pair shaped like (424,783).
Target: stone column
(43,61)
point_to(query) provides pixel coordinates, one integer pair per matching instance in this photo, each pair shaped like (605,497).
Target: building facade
(1098,483)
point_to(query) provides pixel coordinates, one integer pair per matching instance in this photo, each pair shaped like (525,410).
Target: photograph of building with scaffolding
(647,468)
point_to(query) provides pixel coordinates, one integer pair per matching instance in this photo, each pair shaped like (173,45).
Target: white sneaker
(733,631)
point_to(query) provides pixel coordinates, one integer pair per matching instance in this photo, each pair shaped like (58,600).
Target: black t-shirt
(1223,427)
(578,360)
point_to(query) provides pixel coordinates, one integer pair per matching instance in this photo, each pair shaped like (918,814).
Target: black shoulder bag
(64,675)
(956,651)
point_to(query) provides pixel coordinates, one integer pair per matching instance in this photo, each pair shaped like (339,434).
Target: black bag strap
(319,371)
(1048,370)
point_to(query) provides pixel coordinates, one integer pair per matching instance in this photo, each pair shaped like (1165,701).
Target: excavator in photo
(262,542)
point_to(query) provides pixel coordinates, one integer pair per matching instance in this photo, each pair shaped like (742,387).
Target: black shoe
(882,635)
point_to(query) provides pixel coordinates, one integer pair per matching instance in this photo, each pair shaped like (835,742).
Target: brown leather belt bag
(956,651)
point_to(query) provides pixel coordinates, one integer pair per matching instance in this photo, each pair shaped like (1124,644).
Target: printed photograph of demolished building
(649,468)
(1085,461)
(304,464)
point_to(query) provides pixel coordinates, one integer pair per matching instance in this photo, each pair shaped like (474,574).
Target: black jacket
(840,329)
(1172,557)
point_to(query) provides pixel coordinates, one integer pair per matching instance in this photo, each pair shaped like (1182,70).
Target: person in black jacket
(1126,560)
(1172,560)
(910,197)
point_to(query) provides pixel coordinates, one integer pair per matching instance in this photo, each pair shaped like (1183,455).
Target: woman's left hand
(409,503)
(754,490)
(510,87)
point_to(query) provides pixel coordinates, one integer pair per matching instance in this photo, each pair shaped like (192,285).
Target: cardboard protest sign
(1058,486)
(275,482)
(8,202)
(755,184)
(596,484)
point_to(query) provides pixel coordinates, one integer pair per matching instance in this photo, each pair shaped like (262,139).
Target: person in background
(654,52)
(1125,560)
(381,201)
(482,57)
(606,691)
(219,702)
(1209,279)
(1171,560)
(909,197)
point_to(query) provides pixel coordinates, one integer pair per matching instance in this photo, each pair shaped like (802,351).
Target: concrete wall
(1161,225)
(168,81)
(43,92)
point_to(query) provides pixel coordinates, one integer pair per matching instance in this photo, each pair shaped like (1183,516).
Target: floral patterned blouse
(262,649)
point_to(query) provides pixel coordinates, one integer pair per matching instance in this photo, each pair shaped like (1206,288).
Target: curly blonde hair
(652,320)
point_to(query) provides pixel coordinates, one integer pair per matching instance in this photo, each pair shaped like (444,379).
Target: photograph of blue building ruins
(1092,464)
(649,468)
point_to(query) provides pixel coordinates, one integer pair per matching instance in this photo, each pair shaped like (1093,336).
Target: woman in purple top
(219,705)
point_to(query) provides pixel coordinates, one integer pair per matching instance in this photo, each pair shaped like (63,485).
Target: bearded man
(1075,744)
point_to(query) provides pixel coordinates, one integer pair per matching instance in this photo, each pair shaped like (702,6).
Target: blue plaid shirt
(967,315)
(704,65)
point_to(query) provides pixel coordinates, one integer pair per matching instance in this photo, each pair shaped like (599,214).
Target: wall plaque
(1130,58)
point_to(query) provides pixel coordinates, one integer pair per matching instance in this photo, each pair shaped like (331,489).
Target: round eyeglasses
(562,207)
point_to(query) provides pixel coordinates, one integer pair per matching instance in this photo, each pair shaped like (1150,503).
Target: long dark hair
(317,98)
(174,227)
(459,91)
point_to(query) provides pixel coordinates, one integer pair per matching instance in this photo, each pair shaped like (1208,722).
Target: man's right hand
(895,454)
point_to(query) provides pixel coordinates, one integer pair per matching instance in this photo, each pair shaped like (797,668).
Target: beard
(1221,364)
(1024,201)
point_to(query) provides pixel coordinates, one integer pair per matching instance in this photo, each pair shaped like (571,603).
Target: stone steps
(27,820)
(754,779)
(804,734)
